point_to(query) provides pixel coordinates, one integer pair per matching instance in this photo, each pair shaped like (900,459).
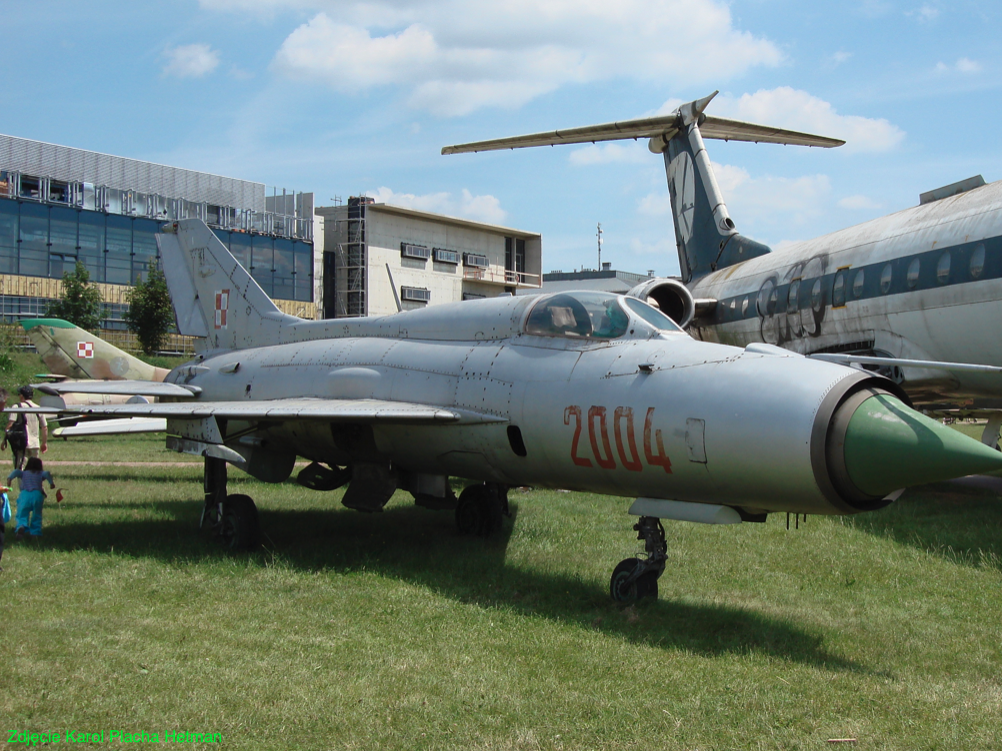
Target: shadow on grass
(423,547)
(962,523)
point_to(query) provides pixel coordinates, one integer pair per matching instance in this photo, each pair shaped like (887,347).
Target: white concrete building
(377,255)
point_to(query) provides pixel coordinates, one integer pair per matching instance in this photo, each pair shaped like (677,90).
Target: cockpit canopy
(594,315)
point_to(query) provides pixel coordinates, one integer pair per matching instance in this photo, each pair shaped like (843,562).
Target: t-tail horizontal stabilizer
(706,237)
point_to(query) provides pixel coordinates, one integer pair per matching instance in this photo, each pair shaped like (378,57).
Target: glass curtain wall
(46,241)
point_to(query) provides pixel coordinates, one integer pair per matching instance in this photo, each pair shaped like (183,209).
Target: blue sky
(350,97)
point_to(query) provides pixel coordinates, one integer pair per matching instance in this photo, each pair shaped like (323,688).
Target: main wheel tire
(478,511)
(619,588)
(241,529)
(468,519)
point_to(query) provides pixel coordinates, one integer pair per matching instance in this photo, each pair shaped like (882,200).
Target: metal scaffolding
(350,260)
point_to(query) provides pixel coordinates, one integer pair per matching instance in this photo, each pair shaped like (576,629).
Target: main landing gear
(480,509)
(232,518)
(635,578)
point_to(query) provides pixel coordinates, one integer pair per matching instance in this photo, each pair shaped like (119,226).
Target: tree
(81,301)
(151,314)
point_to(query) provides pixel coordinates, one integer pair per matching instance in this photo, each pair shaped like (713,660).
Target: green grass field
(349,631)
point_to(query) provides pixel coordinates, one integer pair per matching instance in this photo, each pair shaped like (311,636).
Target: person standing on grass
(32,425)
(31,498)
(4,517)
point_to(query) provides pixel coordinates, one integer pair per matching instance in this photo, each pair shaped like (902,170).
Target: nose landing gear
(635,578)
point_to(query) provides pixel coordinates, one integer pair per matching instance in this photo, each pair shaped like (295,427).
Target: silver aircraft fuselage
(652,413)
(924,283)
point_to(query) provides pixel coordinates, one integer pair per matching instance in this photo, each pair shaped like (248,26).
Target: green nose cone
(890,446)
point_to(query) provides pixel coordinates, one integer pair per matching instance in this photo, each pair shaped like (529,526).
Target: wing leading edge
(329,410)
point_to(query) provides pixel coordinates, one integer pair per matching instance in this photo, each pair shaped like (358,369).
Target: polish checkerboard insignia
(222,307)
(85,350)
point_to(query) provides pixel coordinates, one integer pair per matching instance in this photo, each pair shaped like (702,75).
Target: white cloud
(858,202)
(963,65)
(840,57)
(664,247)
(455,57)
(772,202)
(190,61)
(793,109)
(480,208)
(925,14)
(612,153)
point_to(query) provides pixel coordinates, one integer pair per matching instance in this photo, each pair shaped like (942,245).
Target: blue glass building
(60,205)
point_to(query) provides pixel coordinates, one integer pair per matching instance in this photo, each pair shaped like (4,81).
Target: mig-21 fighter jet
(586,391)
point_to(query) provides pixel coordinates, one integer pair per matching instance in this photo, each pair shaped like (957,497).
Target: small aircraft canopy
(651,315)
(591,315)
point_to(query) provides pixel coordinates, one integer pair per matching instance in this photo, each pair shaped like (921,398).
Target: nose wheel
(636,578)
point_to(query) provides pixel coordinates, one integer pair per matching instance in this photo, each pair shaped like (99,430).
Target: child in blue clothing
(29,502)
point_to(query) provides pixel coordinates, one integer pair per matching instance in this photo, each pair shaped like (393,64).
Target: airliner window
(652,315)
(816,298)
(978,261)
(578,315)
(838,290)
(913,273)
(885,279)
(792,295)
(857,284)
(943,268)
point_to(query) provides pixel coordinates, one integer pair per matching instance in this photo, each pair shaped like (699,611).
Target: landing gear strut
(233,518)
(480,509)
(635,578)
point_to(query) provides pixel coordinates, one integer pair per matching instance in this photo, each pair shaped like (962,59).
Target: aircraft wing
(112,427)
(280,410)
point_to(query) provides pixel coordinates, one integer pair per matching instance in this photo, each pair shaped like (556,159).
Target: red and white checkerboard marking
(222,306)
(85,350)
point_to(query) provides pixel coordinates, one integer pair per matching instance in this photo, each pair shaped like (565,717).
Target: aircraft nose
(878,445)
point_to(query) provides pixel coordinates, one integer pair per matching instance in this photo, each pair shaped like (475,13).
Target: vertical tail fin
(214,296)
(70,351)
(704,231)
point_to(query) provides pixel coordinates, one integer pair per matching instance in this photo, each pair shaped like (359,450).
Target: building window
(420,252)
(33,235)
(118,250)
(284,283)
(91,243)
(473,296)
(476,260)
(441,255)
(415,294)
(8,237)
(262,262)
